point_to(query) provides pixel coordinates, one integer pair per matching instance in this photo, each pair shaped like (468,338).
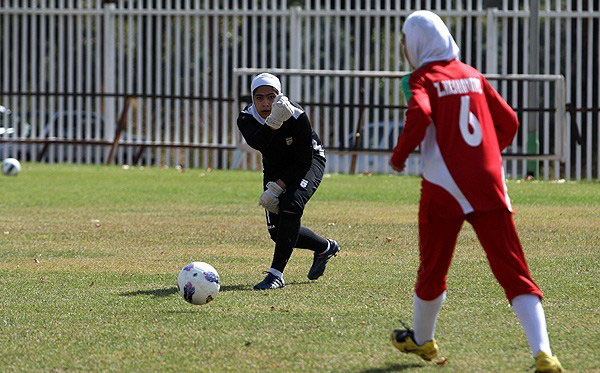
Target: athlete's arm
(417,120)
(301,147)
(504,117)
(256,135)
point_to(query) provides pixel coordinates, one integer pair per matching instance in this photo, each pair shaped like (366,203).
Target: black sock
(287,235)
(308,239)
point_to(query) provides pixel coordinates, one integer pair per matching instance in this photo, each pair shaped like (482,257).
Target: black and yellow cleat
(545,363)
(404,340)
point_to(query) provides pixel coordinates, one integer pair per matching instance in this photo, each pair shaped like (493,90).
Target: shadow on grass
(392,368)
(163,292)
(236,288)
(241,287)
(193,310)
(293,283)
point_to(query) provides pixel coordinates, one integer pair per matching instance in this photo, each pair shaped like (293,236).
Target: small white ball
(11,167)
(198,283)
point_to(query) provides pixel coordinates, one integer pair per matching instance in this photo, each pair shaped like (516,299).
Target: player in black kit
(293,165)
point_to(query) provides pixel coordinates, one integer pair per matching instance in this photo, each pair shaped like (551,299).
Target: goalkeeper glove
(281,111)
(270,197)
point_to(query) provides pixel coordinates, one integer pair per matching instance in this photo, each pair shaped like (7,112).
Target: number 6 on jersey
(469,125)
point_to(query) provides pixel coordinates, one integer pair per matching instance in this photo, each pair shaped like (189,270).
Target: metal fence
(75,73)
(370,130)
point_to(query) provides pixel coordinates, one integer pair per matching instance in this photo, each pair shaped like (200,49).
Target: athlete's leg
(498,236)
(531,315)
(425,314)
(287,235)
(272,224)
(497,233)
(296,199)
(307,239)
(440,221)
(283,229)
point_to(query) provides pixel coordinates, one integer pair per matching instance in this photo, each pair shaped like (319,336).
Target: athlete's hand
(281,111)
(397,168)
(270,197)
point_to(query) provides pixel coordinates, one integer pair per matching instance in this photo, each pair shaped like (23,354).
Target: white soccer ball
(11,167)
(198,283)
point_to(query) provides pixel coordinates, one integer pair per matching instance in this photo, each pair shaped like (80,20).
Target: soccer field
(89,257)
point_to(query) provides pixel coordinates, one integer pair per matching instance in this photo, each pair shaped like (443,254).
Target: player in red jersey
(462,124)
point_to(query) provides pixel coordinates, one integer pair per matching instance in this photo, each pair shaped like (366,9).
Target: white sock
(425,314)
(530,312)
(275,272)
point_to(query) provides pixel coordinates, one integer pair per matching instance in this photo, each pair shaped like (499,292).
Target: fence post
(533,143)
(117,137)
(491,48)
(295,56)
(109,81)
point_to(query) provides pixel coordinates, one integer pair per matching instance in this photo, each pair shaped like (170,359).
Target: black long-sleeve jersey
(287,152)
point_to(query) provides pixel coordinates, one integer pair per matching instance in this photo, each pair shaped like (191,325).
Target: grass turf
(89,257)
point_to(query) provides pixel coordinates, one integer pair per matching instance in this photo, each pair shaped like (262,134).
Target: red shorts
(440,221)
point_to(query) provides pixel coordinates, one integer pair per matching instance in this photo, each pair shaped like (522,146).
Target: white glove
(270,197)
(281,111)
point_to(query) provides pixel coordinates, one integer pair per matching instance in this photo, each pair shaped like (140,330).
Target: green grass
(89,257)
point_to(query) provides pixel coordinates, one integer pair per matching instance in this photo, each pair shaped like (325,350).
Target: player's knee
(526,288)
(431,291)
(291,208)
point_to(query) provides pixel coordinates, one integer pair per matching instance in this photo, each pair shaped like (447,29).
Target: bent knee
(290,208)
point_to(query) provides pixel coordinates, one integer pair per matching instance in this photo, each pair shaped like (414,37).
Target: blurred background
(161,82)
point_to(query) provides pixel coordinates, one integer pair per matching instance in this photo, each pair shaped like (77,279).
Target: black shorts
(296,197)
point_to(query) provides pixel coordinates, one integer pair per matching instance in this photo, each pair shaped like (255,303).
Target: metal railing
(161,52)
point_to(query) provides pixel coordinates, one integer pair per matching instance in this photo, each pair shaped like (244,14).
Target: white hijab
(428,39)
(258,81)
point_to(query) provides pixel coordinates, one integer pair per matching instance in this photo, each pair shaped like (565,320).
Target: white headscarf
(428,39)
(258,81)
(265,79)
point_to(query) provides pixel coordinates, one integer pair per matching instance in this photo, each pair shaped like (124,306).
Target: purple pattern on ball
(188,291)
(211,277)
(188,267)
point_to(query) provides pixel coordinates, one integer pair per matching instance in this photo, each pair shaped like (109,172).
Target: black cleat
(320,260)
(270,282)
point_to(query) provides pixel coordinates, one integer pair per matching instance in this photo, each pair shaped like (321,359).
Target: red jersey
(462,124)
